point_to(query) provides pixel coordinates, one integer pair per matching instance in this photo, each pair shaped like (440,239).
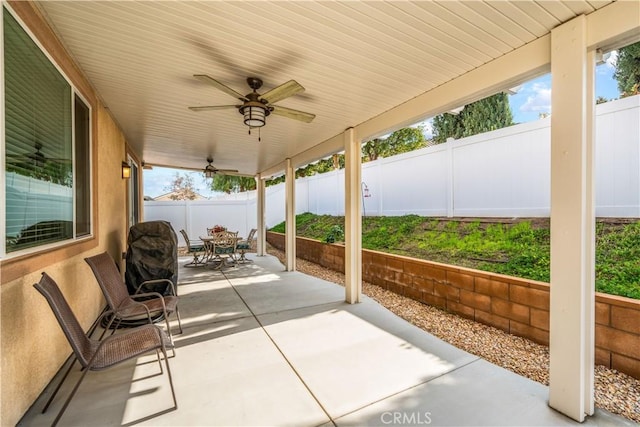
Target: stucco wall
(32,344)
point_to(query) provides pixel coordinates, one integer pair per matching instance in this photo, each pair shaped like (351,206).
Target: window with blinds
(47,147)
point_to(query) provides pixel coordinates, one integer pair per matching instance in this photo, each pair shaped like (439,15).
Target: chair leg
(73,392)
(55,392)
(197,260)
(179,320)
(173,392)
(160,361)
(166,319)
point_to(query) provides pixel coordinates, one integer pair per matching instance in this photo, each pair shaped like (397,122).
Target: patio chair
(198,252)
(125,306)
(223,248)
(244,245)
(98,355)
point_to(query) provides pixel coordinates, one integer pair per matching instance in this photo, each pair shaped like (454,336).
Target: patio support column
(290,216)
(571,343)
(352,218)
(260,211)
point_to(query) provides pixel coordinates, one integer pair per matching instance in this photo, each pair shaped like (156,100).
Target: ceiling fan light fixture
(254,114)
(209,171)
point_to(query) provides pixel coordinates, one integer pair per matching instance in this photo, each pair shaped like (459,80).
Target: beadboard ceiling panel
(355,59)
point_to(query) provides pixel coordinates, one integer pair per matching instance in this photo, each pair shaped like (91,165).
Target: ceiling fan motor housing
(254,83)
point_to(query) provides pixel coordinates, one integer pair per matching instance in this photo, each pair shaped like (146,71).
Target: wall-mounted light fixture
(126,170)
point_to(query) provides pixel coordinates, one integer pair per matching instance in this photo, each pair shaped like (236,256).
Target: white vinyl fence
(504,173)
(30,200)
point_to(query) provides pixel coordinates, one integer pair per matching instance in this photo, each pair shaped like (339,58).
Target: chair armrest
(150,282)
(147,294)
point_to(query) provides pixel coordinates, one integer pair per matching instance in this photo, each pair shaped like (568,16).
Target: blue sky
(532,99)
(157,180)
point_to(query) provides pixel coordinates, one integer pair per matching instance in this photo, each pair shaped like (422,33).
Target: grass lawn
(517,247)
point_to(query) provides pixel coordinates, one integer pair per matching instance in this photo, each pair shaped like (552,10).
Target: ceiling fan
(256,107)
(36,159)
(210,170)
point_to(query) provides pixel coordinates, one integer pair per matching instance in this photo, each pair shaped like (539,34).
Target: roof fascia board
(614,25)
(506,71)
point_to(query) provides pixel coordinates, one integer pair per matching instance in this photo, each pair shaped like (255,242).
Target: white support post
(261,235)
(353,218)
(290,216)
(590,237)
(571,342)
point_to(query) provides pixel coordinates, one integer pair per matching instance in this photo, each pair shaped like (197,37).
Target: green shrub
(516,249)
(334,235)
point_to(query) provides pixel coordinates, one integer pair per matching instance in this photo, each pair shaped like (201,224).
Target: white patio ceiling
(355,59)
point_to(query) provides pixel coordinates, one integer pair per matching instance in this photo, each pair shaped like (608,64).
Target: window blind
(38,144)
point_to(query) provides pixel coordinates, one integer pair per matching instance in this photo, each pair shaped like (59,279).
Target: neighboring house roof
(167,197)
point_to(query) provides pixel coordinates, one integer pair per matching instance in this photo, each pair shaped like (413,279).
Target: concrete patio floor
(263,347)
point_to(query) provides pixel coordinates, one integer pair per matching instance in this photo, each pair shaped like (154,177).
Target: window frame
(89,214)
(75,93)
(133,192)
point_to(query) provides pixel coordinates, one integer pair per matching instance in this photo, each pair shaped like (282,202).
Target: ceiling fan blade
(226,171)
(213,107)
(34,158)
(283,91)
(293,114)
(220,86)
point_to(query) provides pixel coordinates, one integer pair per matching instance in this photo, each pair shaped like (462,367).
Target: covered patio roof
(357,61)
(368,68)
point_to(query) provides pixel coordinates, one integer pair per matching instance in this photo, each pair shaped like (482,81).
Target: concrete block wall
(618,333)
(517,306)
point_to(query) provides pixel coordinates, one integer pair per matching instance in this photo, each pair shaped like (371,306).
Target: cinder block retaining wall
(517,306)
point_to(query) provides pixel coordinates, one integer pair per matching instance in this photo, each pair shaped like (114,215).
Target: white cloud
(539,100)
(612,59)
(609,66)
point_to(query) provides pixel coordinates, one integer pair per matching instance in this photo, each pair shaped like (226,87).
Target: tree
(628,70)
(445,126)
(485,115)
(182,188)
(400,141)
(232,184)
(274,181)
(371,150)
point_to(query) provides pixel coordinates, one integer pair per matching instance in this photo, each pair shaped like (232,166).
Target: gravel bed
(615,392)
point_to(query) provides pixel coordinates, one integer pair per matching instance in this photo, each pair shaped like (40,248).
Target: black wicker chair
(99,355)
